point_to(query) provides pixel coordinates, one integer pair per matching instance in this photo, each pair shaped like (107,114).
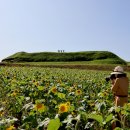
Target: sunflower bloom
(40,107)
(1,113)
(36,84)
(63,108)
(70,89)
(11,128)
(78,92)
(128,104)
(14,94)
(54,90)
(47,84)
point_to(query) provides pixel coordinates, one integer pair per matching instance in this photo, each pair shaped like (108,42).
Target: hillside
(91,56)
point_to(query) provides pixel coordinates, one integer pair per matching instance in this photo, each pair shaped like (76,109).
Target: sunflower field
(34,98)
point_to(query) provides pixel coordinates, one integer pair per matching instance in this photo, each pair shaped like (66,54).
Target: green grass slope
(91,56)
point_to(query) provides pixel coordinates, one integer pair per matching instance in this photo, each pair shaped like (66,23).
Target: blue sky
(70,25)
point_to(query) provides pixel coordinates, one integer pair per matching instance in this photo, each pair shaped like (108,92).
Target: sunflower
(13,94)
(54,90)
(70,89)
(78,92)
(36,83)
(1,113)
(40,107)
(11,128)
(63,107)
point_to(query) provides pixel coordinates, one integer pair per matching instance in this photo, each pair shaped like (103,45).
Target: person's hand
(112,81)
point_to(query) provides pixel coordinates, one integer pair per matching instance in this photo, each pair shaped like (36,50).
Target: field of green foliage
(57,99)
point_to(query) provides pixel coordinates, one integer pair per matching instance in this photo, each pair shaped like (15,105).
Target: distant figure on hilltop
(61,51)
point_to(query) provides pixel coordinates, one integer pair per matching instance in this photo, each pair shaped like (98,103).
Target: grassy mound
(92,56)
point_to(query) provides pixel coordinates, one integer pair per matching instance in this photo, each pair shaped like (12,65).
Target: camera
(111,77)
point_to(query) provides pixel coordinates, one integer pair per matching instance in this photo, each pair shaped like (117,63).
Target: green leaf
(61,95)
(40,88)
(96,117)
(72,108)
(117,128)
(117,109)
(109,118)
(54,124)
